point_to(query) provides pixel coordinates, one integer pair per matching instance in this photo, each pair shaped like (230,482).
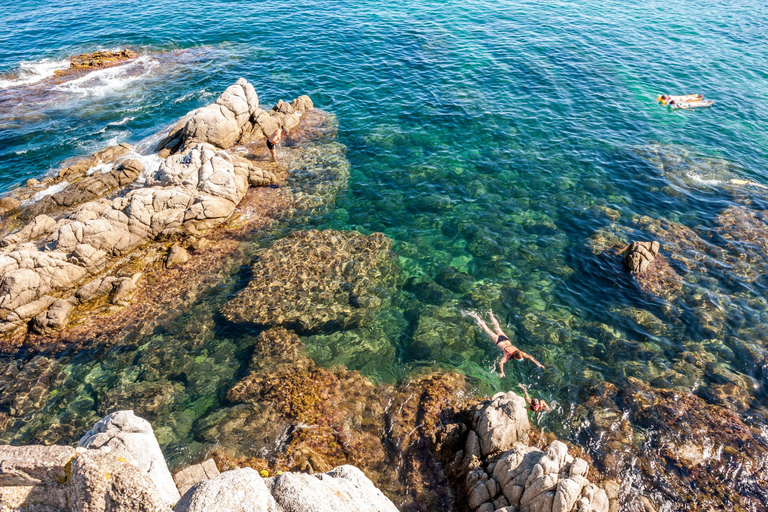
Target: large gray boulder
(240,490)
(222,123)
(133,439)
(343,489)
(501,423)
(104,482)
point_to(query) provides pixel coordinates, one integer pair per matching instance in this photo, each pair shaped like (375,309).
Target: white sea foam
(99,169)
(704,181)
(151,164)
(47,192)
(105,81)
(34,71)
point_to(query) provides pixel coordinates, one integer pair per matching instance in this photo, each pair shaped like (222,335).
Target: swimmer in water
(535,404)
(502,341)
(666,99)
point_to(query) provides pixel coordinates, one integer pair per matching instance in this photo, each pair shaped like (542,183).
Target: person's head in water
(536,404)
(517,355)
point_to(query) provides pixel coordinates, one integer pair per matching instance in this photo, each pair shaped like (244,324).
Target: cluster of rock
(234,117)
(488,457)
(119,467)
(68,254)
(311,280)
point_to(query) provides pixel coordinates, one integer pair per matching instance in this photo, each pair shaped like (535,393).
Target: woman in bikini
(500,339)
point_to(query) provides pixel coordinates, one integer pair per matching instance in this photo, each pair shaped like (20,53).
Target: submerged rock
(318,280)
(695,455)
(639,256)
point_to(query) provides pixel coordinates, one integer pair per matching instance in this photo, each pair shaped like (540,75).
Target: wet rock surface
(639,256)
(89,61)
(316,280)
(696,455)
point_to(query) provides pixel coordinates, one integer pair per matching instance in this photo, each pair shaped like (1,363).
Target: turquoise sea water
(485,138)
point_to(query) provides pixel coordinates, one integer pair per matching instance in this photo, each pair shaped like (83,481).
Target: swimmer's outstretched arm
(532,359)
(525,390)
(503,360)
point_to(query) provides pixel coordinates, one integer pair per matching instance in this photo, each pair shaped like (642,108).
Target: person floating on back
(687,102)
(665,99)
(535,404)
(502,341)
(272,142)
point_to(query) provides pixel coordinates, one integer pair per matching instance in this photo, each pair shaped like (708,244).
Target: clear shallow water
(483,138)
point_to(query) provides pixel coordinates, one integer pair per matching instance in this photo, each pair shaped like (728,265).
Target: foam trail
(34,71)
(47,192)
(107,80)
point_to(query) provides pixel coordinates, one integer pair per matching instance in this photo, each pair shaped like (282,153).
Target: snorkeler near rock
(534,404)
(502,341)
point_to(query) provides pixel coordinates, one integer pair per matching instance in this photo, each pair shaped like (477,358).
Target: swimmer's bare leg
(274,154)
(495,323)
(484,326)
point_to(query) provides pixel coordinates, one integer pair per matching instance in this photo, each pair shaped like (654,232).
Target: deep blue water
(482,136)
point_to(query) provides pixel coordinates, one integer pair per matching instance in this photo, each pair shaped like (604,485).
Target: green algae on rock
(318,280)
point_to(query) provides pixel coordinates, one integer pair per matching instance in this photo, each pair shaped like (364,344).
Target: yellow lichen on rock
(96,60)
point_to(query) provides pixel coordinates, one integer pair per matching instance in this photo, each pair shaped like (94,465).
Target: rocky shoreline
(71,253)
(118,466)
(119,242)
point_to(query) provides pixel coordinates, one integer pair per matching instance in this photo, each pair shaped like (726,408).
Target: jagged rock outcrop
(489,460)
(315,280)
(80,229)
(49,258)
(234,117)
(133,439)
